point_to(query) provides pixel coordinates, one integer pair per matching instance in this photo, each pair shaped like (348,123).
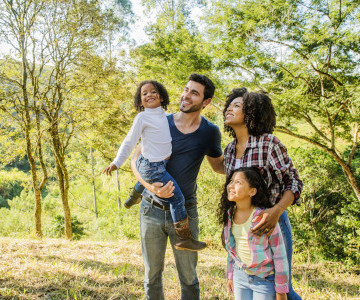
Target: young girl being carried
(151,125)
(257,267)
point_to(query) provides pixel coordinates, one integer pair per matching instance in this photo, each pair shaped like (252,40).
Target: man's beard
(192,108)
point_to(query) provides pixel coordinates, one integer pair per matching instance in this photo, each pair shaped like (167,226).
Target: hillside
(58,269)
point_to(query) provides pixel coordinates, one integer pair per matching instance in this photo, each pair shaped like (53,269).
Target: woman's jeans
(156,172)
(287,235)
(251,287)
(156,227)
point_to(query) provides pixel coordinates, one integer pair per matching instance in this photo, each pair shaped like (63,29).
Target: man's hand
(268,219)
(281,296)
(230,286)
(109,169)
(162,191)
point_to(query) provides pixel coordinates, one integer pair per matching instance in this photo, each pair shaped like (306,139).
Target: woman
(250,118)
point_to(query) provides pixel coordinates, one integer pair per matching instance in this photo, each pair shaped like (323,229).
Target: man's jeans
(287,235)
(156,172)
(156,226)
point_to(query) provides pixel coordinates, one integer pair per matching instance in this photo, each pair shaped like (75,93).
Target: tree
(306,54)
(62,35)
(21,109)
(176,48)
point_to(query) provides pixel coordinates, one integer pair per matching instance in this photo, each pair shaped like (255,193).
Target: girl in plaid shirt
(257,267)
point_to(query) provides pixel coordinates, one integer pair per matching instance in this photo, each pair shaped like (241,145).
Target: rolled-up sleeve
(230,267)
(278,250)
(284,170)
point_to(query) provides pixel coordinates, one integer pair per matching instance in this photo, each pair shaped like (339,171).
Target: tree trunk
(118,189)
(93,182)
(36,190)
(27,125)
(63,178)
(348,171)
(350,176)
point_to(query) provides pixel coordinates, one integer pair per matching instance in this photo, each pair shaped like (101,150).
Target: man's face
(192,99)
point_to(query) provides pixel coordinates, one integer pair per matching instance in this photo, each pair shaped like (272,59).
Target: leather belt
(164,207)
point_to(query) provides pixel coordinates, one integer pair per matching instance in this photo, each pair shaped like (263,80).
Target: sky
(137,29)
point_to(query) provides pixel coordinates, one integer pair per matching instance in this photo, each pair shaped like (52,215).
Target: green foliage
(326,225)
(18,219)
(57,228)
(306,55)
(11,185)
(176,48)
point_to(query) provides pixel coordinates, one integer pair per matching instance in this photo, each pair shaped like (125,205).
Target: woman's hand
(268,219)
(281,296)
(230,286)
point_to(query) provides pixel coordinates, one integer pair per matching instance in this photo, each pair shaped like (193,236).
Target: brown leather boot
(184,239)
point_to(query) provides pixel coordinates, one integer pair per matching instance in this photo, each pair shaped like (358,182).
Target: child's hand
(230,286)
(281,296)
(109,169)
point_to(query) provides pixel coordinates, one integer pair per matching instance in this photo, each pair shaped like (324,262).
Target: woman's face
(239,189)
(234,114)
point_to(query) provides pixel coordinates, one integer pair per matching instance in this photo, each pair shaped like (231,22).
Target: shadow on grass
(115,281)
(65,286)
(316,281)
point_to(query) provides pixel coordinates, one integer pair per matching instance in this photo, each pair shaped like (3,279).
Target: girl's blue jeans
(156,172)
(251,287)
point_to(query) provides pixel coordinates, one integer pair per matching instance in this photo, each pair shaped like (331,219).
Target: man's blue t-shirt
(188,152)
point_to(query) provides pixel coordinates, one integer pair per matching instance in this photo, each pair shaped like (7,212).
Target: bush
(11,185)
(326,225)
(57,227)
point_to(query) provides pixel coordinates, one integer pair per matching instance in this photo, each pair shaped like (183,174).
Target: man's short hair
(205,81)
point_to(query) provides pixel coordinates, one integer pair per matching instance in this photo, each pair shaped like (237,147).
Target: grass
(59,269)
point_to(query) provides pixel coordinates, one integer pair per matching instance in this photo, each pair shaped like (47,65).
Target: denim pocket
(144,208)
(270,278)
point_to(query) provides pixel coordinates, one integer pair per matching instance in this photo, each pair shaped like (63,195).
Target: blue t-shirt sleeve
(215,142)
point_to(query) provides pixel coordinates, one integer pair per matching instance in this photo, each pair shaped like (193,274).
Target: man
(193,138)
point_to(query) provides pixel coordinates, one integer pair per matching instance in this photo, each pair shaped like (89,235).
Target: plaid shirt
(268,255)
(267,153)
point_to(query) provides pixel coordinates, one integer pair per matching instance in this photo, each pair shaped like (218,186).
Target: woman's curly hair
(160,88)
(255,180)
(259,113)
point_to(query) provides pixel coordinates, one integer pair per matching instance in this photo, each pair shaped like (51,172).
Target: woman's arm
(281,166)
(269,217)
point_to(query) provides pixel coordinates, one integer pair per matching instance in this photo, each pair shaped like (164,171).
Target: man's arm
(157,188)
(217,163)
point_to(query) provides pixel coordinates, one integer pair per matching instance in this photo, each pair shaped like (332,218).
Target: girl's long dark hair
(255,180)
